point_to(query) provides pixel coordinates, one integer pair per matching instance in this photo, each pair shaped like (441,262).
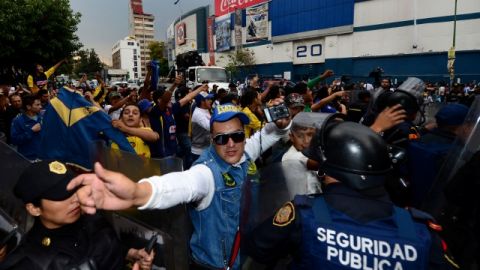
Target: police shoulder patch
(284,215)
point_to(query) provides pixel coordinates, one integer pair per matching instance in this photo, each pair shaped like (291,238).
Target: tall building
(141,27)
(126,55)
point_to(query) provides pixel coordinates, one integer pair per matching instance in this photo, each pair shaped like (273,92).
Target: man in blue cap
(213,184)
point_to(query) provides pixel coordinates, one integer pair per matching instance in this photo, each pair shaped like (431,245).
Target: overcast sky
(104,22)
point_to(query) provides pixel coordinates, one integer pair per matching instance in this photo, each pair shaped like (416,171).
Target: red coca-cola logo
(223,7)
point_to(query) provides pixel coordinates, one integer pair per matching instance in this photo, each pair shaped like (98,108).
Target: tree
(239,59)
(36,31)
(157,52)
(88,62)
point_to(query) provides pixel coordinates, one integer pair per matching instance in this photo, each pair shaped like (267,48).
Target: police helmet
(355,155)
(314,152)
(409,94)
(408,102)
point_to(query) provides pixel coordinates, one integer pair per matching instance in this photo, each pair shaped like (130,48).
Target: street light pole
(454,24)
(451,52)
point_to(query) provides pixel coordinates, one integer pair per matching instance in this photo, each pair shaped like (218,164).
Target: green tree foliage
(36,31)
(88,62)
(157,52)
(239,59)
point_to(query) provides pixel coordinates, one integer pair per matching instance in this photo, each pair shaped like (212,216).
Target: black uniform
(90,242)
(273,240)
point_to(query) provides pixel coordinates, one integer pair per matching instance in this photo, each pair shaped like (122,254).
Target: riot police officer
(353,224)
(61,237)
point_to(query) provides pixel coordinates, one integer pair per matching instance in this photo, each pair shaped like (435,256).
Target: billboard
(257,23)
(223,7)
(210,40)
(181,34)
(223,34)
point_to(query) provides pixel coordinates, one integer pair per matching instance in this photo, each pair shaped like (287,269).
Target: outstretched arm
(108,190)
(193,94)
(51,70)
(114,191)
(314,81)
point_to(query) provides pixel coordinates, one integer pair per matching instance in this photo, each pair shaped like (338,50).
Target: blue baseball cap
(227,111)
(144,105)
(202,96)
(451,115)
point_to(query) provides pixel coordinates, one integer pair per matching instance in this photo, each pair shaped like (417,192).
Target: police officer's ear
(33,210)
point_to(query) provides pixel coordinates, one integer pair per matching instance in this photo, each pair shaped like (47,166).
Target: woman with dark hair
(251,104)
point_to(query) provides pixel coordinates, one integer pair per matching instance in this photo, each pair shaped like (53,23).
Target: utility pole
(451,52)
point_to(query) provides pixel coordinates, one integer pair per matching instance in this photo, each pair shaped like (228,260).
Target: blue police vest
(215,227)
(332,240)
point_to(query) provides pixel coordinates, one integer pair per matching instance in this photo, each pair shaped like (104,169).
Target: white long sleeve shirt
(202,118)
(197,184)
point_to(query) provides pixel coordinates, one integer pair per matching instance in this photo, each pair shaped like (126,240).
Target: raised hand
(327,73)
(108,190)
(388,118)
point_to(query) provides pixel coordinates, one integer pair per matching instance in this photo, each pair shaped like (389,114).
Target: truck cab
(196,75)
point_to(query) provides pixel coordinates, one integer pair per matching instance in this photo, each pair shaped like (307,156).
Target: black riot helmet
(354,155)
(409,104)
(314,152)
(409,94)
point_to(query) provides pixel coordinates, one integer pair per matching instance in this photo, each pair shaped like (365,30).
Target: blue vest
(214,228)
(332,240)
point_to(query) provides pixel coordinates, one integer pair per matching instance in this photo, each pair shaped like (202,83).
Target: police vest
(332,240)
(215,227)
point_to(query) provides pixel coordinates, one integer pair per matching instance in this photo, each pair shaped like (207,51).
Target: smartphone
(276,112)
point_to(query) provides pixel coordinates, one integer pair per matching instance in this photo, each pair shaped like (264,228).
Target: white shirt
(441,90)
(115,115)
(305,181)
(197,184)
(202,118)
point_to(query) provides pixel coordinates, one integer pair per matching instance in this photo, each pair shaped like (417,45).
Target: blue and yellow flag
(71,125)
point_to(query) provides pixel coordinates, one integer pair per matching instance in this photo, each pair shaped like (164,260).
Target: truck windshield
(211,75)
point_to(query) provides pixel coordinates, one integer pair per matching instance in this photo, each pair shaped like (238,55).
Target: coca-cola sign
(223,7)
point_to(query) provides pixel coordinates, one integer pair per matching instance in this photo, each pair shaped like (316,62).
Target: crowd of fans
(176,121)
(160,122)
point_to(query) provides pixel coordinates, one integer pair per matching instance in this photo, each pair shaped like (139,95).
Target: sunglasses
(222,139)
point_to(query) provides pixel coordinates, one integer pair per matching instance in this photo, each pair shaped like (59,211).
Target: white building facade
(126,55)
(352,37)
(142,28)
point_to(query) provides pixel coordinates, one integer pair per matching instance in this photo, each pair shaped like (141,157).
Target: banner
(223,34)
(257,23)
(238,29)
(223,7)
(181,34)
(211,40)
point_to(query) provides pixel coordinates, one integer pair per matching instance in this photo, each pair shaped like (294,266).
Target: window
(130,43)
(211,74)
(134,51)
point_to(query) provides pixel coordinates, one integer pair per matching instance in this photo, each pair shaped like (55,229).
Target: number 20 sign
(312,50)
(306,53)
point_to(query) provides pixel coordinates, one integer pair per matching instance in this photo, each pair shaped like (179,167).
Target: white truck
(196,75)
